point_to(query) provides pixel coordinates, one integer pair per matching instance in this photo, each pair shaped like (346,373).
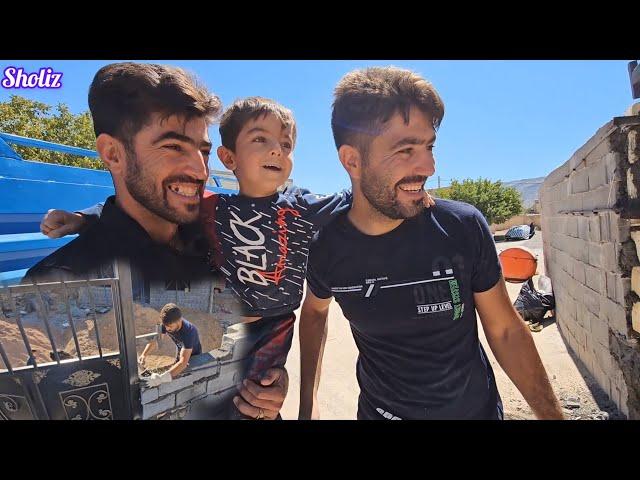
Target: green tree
(496,202)
(29,118)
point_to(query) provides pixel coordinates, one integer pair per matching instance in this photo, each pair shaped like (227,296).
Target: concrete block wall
(591,219)
(197,298)
(210,374)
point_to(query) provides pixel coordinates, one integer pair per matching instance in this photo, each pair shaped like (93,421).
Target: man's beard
(385,199)
(143,189)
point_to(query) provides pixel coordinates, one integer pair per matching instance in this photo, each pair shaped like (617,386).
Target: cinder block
(598,175)
(579,181)
(148,394)
(615,314)
(622,232)
(612,165)
(580,335)
(611,285)
(176,384)
(574,203)
(578,249)
(583,227)
(191,392)
(609,257)
(599,198)
(154,408)
(571,228)
(579,272)
(583,319)
(604,359)
(594,228)
(595,255)
(600,331)
(623,287)
(595,279)
(592,301)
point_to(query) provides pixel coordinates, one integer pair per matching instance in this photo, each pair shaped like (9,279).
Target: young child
(260,237)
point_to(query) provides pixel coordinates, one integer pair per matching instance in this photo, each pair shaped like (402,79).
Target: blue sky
(504,120)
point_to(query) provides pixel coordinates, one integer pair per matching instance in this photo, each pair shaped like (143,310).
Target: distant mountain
(528,188)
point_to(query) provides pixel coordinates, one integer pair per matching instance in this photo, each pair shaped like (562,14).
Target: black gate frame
(26,391)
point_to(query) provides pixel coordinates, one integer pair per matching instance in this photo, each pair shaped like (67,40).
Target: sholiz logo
(15,77)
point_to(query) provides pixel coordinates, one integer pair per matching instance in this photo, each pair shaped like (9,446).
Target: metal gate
(100,385)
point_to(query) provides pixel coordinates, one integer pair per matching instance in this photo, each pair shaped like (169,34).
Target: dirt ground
(577,390)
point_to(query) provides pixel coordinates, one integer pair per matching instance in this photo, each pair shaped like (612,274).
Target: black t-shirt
(408,295)
(187,337)
(116,235)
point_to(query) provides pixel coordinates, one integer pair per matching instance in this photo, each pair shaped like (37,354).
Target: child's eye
(259,139)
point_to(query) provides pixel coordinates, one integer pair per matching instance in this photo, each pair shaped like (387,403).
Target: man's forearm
(517,355)
(149,347)
(313,335)
(178,368)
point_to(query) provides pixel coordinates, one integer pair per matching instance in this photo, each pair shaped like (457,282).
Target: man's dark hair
(241,111)
(123,96)
(366,99)
(170,313)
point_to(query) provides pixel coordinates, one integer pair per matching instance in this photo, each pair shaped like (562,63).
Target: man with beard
(409,280)
(151,124)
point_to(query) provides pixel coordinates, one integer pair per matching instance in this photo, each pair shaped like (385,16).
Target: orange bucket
(518,264)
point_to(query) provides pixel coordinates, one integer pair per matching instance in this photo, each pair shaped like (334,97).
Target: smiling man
(151,125)
(408,279)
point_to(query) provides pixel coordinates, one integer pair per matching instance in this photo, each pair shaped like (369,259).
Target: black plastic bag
(531,304)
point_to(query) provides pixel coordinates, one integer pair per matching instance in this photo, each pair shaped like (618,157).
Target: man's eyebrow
(172,135)
(412,141)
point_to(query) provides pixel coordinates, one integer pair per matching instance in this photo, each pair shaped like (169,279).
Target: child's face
(263,158)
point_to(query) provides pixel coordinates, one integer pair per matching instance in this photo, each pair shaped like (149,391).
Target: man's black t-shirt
(408,295)
(117,235)
(187,337)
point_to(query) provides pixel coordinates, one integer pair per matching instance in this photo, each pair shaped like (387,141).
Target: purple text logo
(15,77)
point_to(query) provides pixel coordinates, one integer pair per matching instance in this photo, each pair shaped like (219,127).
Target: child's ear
(227,157)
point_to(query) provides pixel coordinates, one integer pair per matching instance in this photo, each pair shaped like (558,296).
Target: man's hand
(155,380)
(428,200)
(141,360)
(264,400)
(58,223)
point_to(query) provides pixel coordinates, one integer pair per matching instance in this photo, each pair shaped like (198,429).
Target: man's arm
(149,347)
(182,363)
(313,335)
(512,344)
